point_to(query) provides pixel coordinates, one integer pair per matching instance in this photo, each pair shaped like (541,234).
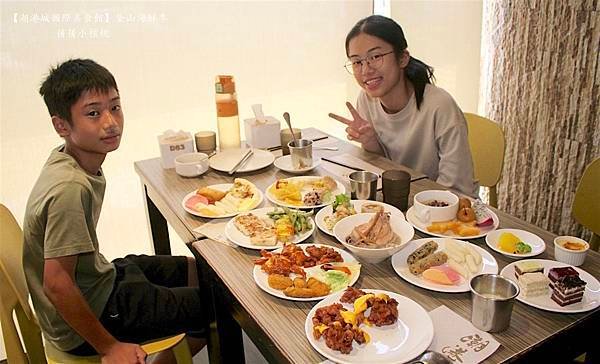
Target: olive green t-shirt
(60,220)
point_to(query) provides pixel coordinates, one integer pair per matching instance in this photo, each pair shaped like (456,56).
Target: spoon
(286,116)
(431,357)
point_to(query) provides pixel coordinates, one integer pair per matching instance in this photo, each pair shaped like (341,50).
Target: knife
(244,159)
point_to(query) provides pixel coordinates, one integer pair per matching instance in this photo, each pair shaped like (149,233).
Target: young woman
(400,113)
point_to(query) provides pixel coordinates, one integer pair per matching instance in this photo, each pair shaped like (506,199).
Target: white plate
(489,265)
(328,211)
(225,160)
(410,336)
(537,244)
(340,189)
(591,295)
(236,236)
(261,278)
(285,164)
(419,225)
(221,187)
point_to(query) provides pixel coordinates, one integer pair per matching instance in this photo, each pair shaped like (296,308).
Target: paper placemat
(458,339)
(215,230)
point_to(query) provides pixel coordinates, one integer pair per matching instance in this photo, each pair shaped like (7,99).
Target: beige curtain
(541,82)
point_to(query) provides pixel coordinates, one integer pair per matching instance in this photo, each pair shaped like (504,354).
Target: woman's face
(384,71)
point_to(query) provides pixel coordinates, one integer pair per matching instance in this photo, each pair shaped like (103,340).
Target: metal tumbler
(492,298)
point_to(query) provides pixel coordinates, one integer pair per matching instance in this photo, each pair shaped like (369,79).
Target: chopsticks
(244,159)
(314,140)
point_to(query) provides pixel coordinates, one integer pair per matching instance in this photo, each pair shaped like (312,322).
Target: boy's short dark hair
(65,84)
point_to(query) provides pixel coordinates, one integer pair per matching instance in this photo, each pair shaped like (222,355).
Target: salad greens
(522,248)
(299,219)
(341,199)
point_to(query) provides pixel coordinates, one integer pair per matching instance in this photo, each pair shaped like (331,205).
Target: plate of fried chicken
(305,272)
(368,326)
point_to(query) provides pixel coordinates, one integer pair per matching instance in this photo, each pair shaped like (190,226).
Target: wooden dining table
(276,326)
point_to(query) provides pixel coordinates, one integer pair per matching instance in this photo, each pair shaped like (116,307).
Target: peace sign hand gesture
(360,130)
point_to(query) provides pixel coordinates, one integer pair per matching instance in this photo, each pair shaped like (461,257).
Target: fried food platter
(422,227)
(262,278)
(405,339)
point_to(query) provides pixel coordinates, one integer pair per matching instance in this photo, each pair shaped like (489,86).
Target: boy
(86,305)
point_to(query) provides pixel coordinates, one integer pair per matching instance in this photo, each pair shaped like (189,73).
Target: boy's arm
(62,291)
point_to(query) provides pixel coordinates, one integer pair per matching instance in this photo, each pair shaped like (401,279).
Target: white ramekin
(572,257)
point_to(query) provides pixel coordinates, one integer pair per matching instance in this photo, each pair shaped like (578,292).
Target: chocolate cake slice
(557,273)
(568,290)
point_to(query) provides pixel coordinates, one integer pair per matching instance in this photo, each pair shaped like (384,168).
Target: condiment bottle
(228,122)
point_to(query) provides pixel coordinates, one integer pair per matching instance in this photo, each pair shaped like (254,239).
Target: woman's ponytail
(419,74)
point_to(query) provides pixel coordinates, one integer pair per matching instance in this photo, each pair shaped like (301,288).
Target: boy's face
(96,123)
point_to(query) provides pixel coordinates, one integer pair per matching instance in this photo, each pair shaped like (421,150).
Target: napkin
(458,339)
(215,230)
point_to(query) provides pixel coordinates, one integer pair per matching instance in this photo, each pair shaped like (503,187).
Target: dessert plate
(591,295)
(398,343)
(422,227)
(489,265)
(537,244)
(285,164)
(328,211)
(236,236)
(225,160)
(262,279)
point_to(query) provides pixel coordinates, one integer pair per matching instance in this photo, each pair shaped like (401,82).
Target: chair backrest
(486,141)
(586,205)
(14,296)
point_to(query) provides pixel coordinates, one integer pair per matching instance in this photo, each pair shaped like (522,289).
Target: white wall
(446,34)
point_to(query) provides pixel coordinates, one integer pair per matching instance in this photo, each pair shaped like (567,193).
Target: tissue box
(262,135)
(172,144)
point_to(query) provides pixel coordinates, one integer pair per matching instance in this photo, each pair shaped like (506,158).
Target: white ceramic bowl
(344,227)
(429,214)
(568,256)
(191,164)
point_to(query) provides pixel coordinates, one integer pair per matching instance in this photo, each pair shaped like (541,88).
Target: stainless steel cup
(492,298)
(285,136)
(301,153)
(363,185)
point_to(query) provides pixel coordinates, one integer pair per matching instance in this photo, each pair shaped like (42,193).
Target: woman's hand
(360,130)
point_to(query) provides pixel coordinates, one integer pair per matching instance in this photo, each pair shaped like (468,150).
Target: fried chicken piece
(351,294)
(313,288)
(299,282)
(383,313)
(279,282)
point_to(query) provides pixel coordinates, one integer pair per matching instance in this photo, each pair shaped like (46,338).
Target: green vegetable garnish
(341,199)
(523,248)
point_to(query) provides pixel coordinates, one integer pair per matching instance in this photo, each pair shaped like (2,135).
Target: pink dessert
(442,274)
(482,214)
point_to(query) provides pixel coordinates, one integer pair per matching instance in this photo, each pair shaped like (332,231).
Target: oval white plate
(236,236)
(221,187)
(285,164)
(489,265)
(225,160)
(410,336)
(328,211)
(591,295)
(537,244)
(410,217)
(261,278)
(340,189)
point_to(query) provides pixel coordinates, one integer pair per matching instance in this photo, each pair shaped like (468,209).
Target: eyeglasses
(374,61)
